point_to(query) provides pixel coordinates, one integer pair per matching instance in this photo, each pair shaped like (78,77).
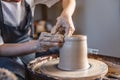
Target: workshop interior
(92,53)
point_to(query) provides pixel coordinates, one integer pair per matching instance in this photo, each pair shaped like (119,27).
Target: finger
(46,46)
(47,39)
(69,33)
(45,36)
(42,35)
(58,37)
(56,27)
(53,39)
(70,29)
(53,30)
(66,30)
(57,40)
(49,44)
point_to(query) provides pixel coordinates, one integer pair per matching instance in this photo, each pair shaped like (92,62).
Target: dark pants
(13,66)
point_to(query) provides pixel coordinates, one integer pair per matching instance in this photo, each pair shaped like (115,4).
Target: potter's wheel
(74,65)
(97,69)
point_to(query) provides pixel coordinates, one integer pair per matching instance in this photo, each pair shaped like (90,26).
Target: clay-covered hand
(47,40)
(64,23)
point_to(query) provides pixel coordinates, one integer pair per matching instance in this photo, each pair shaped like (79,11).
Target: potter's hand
(65,19)
(47,40)
(64,25)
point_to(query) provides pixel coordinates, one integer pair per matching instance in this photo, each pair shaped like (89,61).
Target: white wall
(102,20)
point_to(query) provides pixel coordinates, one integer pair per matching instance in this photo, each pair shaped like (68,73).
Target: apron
(17,34)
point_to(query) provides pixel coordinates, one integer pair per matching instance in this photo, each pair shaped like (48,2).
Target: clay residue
(113,64)
(34,65)
(51,37)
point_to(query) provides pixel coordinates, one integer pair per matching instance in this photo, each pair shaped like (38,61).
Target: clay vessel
(73,53)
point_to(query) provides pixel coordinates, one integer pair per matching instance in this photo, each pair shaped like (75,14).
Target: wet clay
(73,54)
(48,37)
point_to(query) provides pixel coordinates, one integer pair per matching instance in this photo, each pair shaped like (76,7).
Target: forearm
(18,49)
(68,7)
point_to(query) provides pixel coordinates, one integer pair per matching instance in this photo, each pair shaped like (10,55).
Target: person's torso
(13,12)
(15,27)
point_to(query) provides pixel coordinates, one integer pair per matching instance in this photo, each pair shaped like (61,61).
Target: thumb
(55,28)
(69,31)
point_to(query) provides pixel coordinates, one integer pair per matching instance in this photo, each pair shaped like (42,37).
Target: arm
(68,7)
(18,49)
(65,19)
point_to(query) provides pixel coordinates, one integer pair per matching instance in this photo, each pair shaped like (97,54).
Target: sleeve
(49,3)
(1,40)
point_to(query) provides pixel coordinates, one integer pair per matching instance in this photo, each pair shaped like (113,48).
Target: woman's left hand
(47,40)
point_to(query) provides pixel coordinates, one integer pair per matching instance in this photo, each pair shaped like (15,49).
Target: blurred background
(98,19)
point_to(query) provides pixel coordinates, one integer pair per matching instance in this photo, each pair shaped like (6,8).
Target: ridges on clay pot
(73,53)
